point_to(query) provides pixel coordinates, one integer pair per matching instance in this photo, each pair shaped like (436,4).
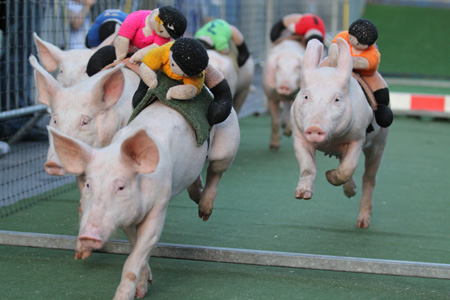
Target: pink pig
(240,80)
(92,110)
(331,114)
(281,83)
(70,65)
(130,182)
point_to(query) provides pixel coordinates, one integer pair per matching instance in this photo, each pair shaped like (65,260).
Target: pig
(239,80)
(92,110)
(332,115)
(70,65)
(130,182)
(281,83)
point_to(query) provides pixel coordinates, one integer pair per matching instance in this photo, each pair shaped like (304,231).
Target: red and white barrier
(420,104)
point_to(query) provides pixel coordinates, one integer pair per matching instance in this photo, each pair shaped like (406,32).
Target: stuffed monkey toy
(308,26)
(361,37)
(142,30)
(104,26)
(186,60)
(217,34)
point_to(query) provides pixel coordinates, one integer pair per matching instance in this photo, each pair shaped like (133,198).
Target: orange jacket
(371,54)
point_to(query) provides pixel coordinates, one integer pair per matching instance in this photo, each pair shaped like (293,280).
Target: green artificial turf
(412,40)
(256,209)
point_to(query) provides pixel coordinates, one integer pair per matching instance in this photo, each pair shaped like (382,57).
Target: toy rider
(308,26)
(104,26)
(217,34)
(361,37)
(141,31)
(184,60)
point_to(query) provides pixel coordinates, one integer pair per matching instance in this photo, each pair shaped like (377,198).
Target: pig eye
(87,185)
(85,120)
(337,100)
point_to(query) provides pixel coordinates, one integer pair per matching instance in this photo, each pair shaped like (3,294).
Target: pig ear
(270,71)
(47,85)
(140,151)
(73,154)
(344,63)
(313,54)
(49,54)
(111,84)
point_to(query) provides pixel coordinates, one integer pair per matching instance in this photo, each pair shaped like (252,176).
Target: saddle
(367,91)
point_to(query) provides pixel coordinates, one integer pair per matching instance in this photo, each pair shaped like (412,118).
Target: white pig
(239,80)
(130,182)
(331,114)
(92,110)
(70,65)
(281,83)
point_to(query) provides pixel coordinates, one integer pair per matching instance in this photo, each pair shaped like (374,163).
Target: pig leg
(285,121)
(148,234)
(146,274)
(305,154)
(373,156)
(350,187)
(221,154)
(274,109)
(349,162)
(239,99)
(80,251)
(195,190)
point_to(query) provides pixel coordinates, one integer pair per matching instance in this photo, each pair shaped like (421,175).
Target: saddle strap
(128,64)
(367,91)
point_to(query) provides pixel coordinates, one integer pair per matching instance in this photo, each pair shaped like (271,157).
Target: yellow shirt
(158,59)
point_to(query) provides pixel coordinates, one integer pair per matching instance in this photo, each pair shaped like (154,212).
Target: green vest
(220,32)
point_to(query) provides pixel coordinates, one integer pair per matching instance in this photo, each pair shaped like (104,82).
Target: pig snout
(284,89)
(53,168)
(315,135)
(91,240)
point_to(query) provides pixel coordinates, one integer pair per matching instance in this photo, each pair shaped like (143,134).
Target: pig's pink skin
(92,110)
(69,65)
(331,104)
(239,80)
(130,182)
(281,82)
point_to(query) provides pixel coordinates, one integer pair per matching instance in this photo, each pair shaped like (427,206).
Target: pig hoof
(141,291)
(287,131)
(303,194)
(333,178)
(83,253)
(274,147)
(363,222)
(203,216)
(350,188)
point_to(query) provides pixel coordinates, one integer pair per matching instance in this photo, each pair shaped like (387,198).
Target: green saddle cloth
(194,110)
